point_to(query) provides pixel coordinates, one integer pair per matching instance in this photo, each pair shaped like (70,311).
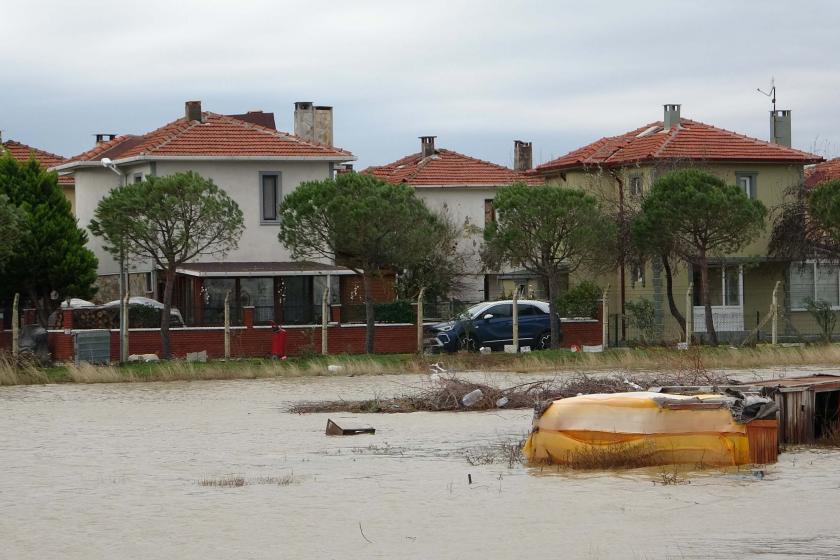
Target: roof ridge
(177,132)
(282,134)
(757,141)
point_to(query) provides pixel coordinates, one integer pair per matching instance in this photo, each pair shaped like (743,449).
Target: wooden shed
(809,407)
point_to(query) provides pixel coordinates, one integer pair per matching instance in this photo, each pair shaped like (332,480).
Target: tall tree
(700,216)
(50,261)
(169,221)
(362,223)
(10,230)
(549,231)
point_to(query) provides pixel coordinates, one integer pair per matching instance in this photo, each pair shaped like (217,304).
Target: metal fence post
(227,325)
(774,309)
(16,326)
(515,316)
(689,314)
(325,319)
(124,324)
(605,319)
(420,320)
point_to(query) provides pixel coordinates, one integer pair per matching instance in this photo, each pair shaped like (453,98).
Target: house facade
(256,165)
(621,169)
(462,188)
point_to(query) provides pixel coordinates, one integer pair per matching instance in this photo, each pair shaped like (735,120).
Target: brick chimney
(780,127)
(427,145)
(672,116)
(522,155)
(192,111)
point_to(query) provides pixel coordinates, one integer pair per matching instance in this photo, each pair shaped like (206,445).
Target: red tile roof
(691,140)
(826,171)
(218,136)
(448,169)
(22,152)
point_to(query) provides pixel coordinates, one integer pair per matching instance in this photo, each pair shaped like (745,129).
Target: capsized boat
(711,429)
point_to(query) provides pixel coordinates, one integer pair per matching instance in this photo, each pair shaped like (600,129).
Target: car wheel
(467,343)
(544,341)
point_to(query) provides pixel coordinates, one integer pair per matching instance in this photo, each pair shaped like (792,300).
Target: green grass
(549,361)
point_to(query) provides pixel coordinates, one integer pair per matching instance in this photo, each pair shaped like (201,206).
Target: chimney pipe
(522,152)
(780,127)
(104,137)
(192,111)
(427,145)
(672,116)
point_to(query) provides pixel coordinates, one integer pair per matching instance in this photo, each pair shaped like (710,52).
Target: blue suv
(491,324)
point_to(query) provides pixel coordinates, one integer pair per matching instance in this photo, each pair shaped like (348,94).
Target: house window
(149,282)
(747,183)
(636,185)
(269,197)
(817,281)
(724,286)
(138,178)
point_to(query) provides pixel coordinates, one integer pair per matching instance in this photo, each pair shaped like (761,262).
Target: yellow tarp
(664,429)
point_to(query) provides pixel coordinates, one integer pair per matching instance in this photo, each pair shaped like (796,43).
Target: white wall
(240,179)
(465,206)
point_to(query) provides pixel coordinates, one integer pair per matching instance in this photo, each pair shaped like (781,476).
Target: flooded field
(153,470)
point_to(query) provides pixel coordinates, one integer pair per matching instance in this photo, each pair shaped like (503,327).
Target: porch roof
(236,269)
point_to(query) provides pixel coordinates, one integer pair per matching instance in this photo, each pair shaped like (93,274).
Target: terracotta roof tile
(218,135)
(22,152)
(826,171)
(691,140)
(448,169)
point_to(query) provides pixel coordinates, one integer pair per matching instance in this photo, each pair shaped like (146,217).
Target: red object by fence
(278,341)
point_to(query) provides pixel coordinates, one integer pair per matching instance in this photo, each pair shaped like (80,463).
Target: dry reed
(237,481)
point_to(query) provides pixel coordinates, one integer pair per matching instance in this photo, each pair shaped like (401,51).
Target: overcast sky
(476,74)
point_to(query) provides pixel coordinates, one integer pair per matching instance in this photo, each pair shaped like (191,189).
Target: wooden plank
(334,429)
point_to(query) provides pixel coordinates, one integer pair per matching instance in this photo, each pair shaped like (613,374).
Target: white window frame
(813,264)
(278,196)
(636,185)
(733,269)
(752,179)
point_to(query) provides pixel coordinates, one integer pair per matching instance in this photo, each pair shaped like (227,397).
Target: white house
(256,165)
(464,188)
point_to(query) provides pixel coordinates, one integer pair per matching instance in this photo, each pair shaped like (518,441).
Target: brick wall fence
(255,341)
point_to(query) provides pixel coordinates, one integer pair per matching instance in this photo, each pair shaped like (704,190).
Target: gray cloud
(477,74)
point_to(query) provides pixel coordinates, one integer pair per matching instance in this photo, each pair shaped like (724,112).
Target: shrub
(825,317)
(400,311)
(642,315)
(580,301)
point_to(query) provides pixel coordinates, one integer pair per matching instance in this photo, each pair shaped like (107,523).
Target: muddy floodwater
(116,471)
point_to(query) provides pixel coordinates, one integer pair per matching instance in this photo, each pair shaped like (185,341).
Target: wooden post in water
(325,318)
(774,309)
(689,314)
(16,326)
(227,325)
(515,315)
(420,320)
(605,319)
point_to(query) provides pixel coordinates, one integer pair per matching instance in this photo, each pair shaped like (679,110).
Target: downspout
(622,251)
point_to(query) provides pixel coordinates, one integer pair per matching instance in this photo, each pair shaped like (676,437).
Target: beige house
(620,169)
(463,188)
(256,165)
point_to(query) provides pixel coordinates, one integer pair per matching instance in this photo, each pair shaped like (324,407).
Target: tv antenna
(771,93)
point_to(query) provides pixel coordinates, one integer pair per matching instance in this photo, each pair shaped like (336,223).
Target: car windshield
(471,312)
